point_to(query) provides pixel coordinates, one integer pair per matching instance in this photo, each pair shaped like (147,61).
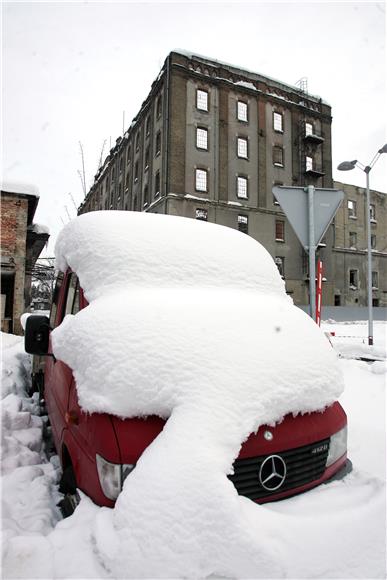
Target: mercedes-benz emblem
(272,473)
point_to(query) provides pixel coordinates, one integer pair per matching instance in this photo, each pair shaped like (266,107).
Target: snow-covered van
(100,444)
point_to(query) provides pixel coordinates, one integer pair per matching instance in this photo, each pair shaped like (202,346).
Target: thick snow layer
(28,479)
(334,531)
(19,187)
(118,250)
(189,321)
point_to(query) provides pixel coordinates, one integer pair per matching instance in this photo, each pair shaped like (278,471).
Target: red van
(98,451)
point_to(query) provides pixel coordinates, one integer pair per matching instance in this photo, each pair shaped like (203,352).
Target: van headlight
(112,476)
(337,446)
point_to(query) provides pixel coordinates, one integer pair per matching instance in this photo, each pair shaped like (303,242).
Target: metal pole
(369,259)
(312,255)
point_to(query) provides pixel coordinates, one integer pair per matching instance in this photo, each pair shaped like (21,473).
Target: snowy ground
(335,531)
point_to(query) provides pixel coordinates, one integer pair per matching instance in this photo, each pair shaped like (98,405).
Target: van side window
(55,299)
(72,300)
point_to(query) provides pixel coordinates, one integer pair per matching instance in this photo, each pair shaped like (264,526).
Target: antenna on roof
(68,214)
(302,84)
(74,204)
(101,156)
(82,175)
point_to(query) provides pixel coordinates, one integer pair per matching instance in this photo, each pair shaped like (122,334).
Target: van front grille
(303,465)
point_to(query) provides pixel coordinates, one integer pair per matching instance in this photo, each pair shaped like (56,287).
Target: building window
(242,149)
(158,143)
(353,279)
(375,280)
(243,224)
(201,214)
(146,195)
(352,209)
(136,171)
(242,191)
(278,122)
(280,263)
(201,138)
(373,241)
(309,130)
(121,165)
(276,183)
(157,184)
(147,126)
(128,155)
(278,156)
(242,111)
(146,160)
(202,100)
(308,163)
(372,213)
(279,230)
(201,180)
(137,141)
(159,106)
(352,239)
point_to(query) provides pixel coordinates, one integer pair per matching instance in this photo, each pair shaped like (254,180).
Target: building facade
(21,244)
(349,252)
(210,142)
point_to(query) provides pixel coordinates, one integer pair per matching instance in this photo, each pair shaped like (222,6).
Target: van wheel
(68,486)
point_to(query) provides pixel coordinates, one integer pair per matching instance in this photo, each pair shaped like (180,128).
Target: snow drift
(187,320)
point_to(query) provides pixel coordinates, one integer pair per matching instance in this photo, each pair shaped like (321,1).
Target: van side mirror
(36,334)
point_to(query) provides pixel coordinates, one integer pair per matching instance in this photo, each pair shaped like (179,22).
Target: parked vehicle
(97,451)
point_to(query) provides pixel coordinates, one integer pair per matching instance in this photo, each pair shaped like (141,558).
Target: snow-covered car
(152,311)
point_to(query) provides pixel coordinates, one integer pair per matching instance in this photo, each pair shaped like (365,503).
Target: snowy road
(335,531)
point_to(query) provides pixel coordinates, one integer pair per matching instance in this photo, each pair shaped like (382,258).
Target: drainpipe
(166,134)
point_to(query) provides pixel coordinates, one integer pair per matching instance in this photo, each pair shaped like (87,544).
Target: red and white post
(319,292)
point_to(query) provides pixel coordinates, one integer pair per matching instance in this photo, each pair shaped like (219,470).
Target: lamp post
(347,166)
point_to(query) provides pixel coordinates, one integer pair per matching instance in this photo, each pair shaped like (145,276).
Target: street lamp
(347,166)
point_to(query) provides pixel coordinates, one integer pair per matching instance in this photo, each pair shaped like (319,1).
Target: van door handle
(71,418)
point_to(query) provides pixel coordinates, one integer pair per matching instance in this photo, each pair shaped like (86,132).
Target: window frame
(205,131)
(278,115)
(239,179)
(157,190)
(352,212)
(279,222)
(205,172)
(198,100)
(353,235)
(372,213)
(243,223)
(355,284)
(280,149)
(241,140)
(309,162)
(246,105)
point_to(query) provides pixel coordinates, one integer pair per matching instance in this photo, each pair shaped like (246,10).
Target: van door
(58,376)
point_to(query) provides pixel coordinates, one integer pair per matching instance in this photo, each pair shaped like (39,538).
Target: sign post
(319,292)
(309,210)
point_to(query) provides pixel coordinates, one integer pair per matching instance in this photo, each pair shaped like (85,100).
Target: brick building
(209,142)
(21,243)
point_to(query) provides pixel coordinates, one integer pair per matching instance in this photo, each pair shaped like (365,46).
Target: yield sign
(295,204)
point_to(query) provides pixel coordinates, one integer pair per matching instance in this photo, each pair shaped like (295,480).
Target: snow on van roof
(110,248)
(189,321)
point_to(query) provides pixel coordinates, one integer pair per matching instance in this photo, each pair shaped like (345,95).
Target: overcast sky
(70,69)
